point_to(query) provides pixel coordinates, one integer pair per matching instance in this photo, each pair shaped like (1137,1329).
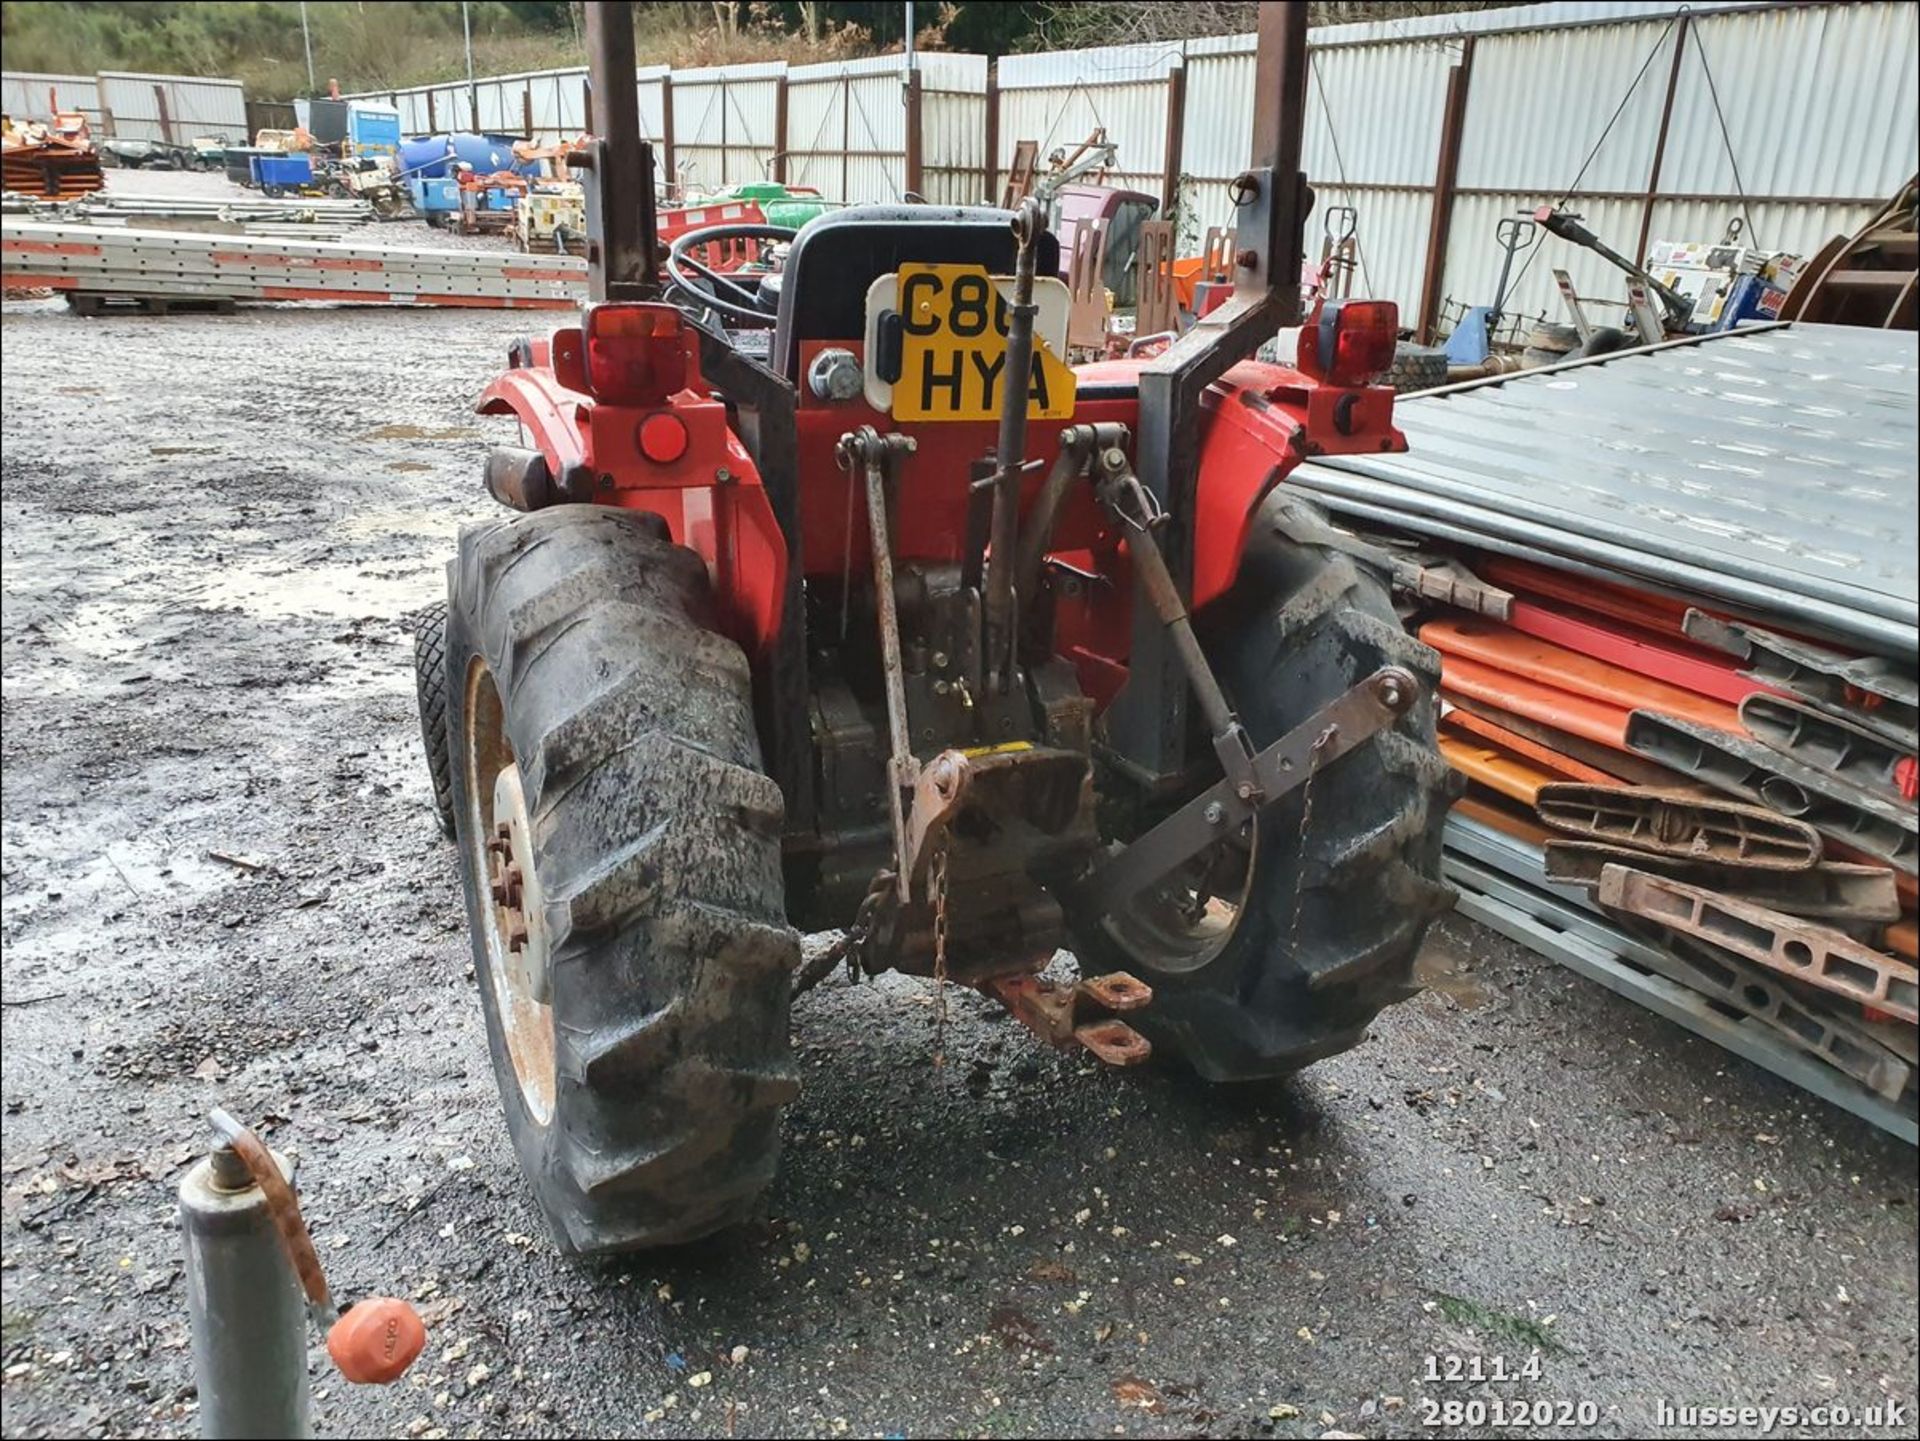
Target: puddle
(340,591)
(433,522)
(1444,969)
(182,449)
(418,432)
(409,465)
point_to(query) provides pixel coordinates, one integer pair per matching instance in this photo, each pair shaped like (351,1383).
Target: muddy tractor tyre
(1329,904)
(620,848)
(430,689)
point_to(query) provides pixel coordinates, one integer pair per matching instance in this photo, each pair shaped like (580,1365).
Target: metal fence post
(1176,141)
(247,1313)
(991,172)
(916,137)
(1446,171)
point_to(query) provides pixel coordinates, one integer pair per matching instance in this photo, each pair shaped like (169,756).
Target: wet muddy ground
(223,885)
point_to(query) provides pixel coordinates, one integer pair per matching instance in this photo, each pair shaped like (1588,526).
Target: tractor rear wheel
(1277,947)
(620,847)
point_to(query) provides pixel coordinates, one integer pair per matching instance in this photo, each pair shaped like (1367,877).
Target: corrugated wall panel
(1373,113)
(1837,115)
(954,145)
(23,93)
(724,123)
(1058,99)
(847,128)
(1541,100)
(197,107)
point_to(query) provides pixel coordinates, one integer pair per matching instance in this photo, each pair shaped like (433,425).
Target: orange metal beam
(1532,750)
(1492,813)
(1498,770)
(1576,714)
(1554,665)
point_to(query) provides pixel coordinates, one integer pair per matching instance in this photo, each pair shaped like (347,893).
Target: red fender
(1259,422)
(710,495)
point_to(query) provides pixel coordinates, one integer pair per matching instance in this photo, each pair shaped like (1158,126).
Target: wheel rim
(1185,923)
(512,933)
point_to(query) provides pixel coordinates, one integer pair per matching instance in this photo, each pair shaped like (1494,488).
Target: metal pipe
(622,262)
(473,89)
(1029,224)
(1076,442)
(246,1311)
(306,39)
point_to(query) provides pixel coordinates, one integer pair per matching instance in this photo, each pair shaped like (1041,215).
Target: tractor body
(837,601)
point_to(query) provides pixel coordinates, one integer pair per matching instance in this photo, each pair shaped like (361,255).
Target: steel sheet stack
(100,264)
(1691,730)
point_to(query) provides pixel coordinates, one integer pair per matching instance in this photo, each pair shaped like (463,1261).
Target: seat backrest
(836,259)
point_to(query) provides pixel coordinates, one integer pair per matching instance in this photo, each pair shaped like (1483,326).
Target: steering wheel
(699,284)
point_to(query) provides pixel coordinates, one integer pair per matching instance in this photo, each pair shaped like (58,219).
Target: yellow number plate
(955,351)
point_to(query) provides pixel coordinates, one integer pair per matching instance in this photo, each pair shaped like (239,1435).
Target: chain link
(937,895)
(854,941)
(1320,745)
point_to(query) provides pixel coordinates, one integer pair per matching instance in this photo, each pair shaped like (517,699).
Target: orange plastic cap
(376,1341)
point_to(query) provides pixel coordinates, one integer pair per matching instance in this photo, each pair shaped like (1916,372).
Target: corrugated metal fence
(177,109)
(1432,129)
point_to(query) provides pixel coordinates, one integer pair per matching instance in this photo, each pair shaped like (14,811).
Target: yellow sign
(955,349)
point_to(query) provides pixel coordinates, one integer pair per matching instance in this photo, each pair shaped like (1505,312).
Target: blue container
(487,153)
(424,158)
(434,193)
(285,170)
(374,130)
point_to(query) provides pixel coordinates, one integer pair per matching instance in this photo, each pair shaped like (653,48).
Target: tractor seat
(854,247)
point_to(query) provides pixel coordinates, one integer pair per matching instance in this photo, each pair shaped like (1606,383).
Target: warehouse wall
(1819,103)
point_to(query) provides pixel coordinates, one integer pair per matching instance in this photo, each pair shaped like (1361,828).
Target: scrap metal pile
(1686,695)
(54,158)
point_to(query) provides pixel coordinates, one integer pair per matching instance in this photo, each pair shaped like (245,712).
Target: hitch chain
(937,894)
(1325,739)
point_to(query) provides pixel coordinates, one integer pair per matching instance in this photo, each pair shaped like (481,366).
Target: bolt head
(1215,813)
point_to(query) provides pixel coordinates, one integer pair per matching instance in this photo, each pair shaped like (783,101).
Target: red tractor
(803,625)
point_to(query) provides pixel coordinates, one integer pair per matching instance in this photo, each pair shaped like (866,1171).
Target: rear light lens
(1350,342)
(636,354)
(663,438)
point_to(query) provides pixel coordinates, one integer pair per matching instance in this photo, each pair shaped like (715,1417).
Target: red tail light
(636,353)
(1350,342)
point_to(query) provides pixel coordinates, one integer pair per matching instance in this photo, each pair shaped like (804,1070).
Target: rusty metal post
(990,174)
(433,117)
(668,163)
(1681,28)
(779,161)
(916,136)
(1176,143)
(621,229)
(166,117)
(526,108)
(1446,172)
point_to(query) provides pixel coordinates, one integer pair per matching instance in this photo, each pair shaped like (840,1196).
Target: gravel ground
(213,530)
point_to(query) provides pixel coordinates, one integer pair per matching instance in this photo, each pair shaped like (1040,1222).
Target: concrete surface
(222,885)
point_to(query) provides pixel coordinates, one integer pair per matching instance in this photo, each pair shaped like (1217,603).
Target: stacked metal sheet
(1692,723)
(316,219)
(1769,470)
(101,264)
